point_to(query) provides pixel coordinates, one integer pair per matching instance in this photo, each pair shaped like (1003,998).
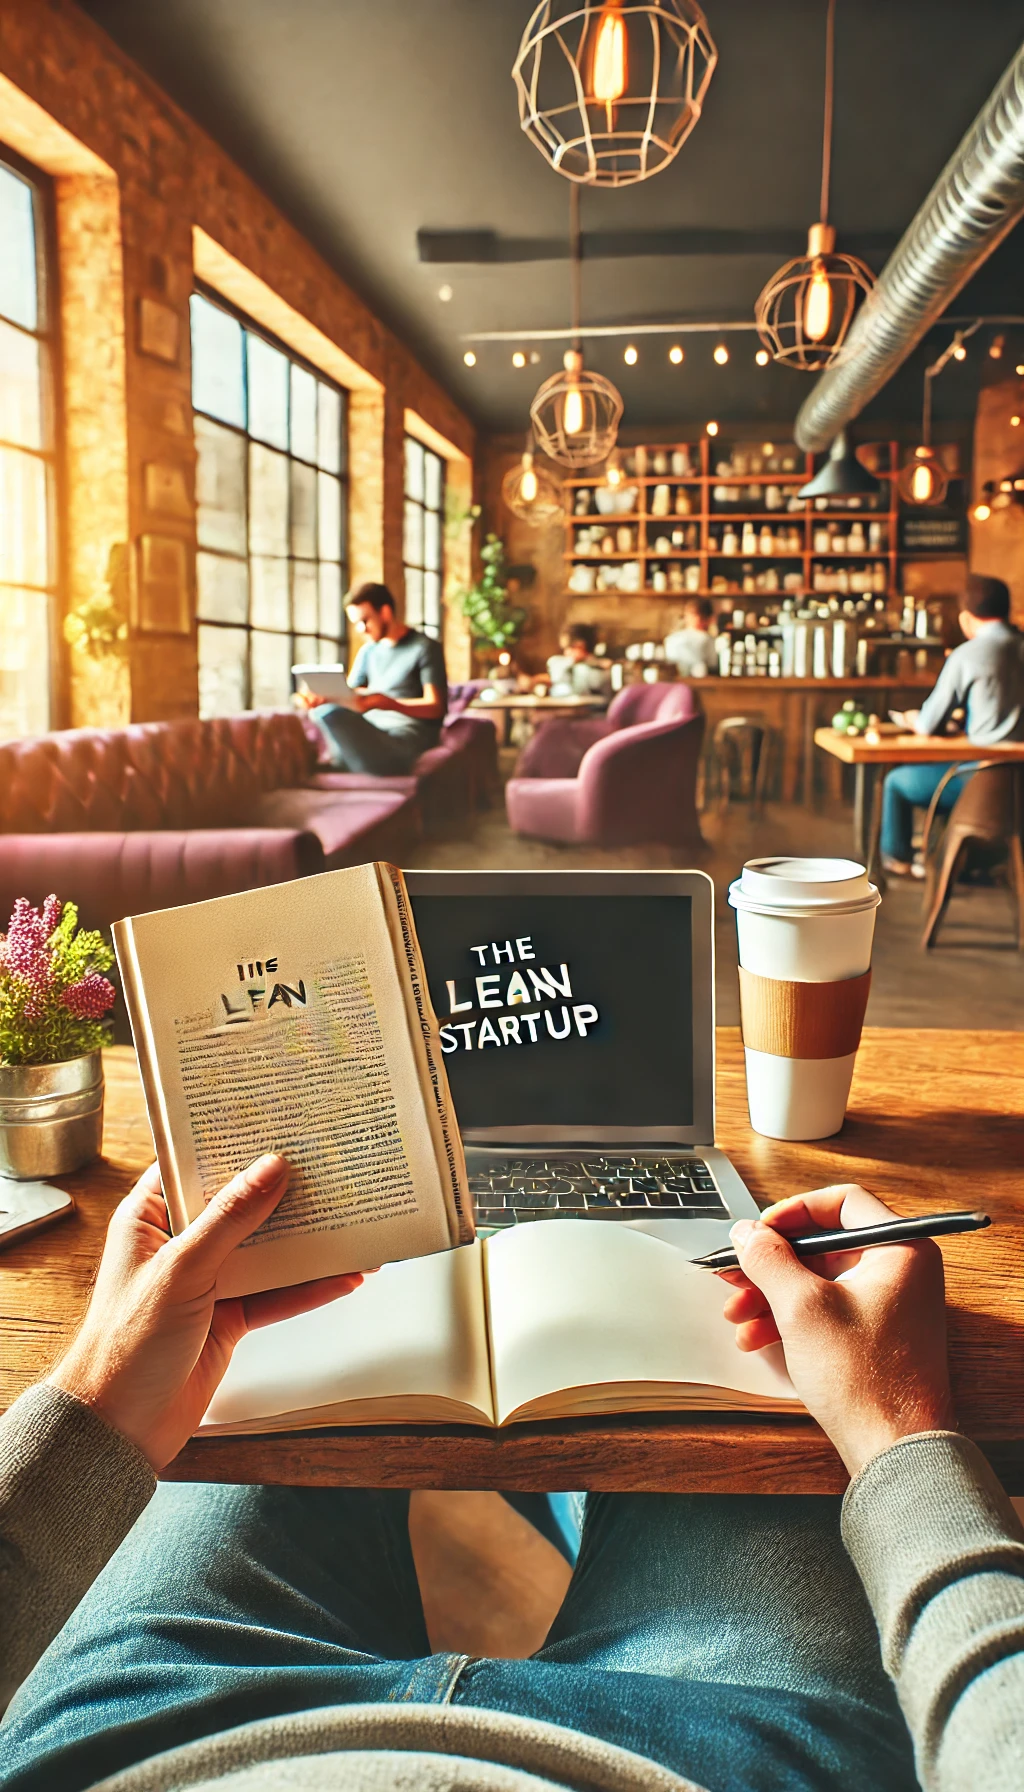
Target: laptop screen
(562,1010)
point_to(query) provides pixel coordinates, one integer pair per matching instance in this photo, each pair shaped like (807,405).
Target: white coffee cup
(802,922)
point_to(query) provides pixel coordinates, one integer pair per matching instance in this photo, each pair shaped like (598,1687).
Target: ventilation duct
(973,205)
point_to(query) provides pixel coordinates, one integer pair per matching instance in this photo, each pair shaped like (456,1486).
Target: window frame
(428,626)
(252,328)
(51,410)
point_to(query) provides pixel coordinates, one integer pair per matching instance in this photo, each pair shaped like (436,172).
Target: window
(424,537)
(27,559)
(270,503)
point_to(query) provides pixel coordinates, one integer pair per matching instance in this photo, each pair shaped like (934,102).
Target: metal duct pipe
(975,202)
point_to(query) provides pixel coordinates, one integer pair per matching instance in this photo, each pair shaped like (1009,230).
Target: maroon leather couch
(449,780)
(161,813)
(626,778)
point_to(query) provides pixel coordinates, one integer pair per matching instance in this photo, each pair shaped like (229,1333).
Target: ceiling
(369,122)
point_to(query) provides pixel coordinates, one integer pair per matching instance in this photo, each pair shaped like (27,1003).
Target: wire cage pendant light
(804,313)
(610,90)
(576,413)
(532,493)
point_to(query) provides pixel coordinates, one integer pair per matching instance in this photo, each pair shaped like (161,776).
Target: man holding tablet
(400,692)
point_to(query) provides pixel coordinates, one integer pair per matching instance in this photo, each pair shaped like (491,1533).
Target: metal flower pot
(51,1116)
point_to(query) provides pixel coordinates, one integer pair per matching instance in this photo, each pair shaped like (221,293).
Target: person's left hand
(155,1341)
(374,700)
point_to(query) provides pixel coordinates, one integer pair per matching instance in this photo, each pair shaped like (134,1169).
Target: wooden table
(533,708)
(872,760)
(935,1121)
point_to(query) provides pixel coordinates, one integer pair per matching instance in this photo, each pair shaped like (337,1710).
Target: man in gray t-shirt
(402,691)
(985,678)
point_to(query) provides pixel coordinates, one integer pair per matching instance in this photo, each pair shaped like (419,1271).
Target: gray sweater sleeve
(70,1489)
(941,1554)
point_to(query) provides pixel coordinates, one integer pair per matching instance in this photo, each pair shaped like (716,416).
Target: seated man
(985,676)
(271,1636)
(574,672)
(691,647)
(402,692)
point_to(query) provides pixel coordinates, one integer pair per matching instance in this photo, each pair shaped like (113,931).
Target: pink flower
(25,951)
(90,998)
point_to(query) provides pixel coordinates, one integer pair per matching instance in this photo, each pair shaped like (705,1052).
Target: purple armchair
(635,778)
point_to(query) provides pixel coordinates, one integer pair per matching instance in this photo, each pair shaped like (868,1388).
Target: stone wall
(134,180)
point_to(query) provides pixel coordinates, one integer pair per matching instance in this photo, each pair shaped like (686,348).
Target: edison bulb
(721,354)
(469,358)
(630,356)
(922,483)
(817,305)
(959,352)
(762,357)
(609,77)
(613,473)
(519,359)
(982,512)
(572,411)
(712,428)
(528,486)
(1014,422)
(675,354)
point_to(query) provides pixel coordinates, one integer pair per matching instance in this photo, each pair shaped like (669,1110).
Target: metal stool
(989,809)
(743,751)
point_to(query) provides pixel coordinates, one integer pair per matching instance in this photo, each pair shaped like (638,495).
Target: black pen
(859,1238)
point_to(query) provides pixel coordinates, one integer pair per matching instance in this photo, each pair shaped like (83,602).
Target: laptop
(577,1026)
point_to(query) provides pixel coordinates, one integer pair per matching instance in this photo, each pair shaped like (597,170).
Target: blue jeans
(355,744)
(910,787)
(726,1637)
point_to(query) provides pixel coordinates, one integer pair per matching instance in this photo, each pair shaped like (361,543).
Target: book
(297,1019)
(550,1320)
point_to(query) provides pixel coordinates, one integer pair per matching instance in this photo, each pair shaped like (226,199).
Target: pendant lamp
(531,492)
(924,480)
(610,90)
(804,314)
(576,413)
(842,476)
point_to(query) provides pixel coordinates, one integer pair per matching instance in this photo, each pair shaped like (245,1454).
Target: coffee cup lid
(803,885)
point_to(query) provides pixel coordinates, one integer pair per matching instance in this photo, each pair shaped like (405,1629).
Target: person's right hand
(867,1353)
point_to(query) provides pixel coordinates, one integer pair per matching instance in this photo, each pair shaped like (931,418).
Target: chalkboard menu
(933,535)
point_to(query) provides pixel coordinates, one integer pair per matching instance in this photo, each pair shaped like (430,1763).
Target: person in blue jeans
(984,677)
(401,691)
(266,1636)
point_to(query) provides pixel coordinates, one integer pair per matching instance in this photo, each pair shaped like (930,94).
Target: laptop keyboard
(592,1186)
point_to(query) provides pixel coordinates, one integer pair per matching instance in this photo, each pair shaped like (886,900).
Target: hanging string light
(804,314)
(532,493)
(924,479)
(609,92)
(576,413)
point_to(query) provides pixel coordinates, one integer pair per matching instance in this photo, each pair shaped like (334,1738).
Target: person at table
(691,646)
(984,677)
(272,1634)
(401,691)
(575,671)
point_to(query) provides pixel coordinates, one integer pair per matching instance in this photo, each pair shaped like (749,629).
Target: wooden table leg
(874,854)
(859,841)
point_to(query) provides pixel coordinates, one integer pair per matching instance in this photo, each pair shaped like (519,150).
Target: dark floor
(974,977)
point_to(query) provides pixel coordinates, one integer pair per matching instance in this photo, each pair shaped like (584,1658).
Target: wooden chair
(989,809)
(743,749)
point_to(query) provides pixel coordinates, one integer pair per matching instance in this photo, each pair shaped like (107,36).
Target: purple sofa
(449,780)
(625,778)
(161,813)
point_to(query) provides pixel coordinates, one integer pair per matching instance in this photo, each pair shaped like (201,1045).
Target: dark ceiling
(368,121)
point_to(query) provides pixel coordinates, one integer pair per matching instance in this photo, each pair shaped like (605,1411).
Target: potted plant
(53,1003)
(493,620)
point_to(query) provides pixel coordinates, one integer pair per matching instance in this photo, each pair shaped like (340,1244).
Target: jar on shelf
(822,539)
(663,545)
(683,506)
(692,578)
(681,462)
(661,501)
(749,542)
(772,497)
(659,579)
(675,577)
(608,543)
(730,540)
(659,463)
(875,537)
(857,542)
(766,541)
(624,538)
(581,505)
(879,576)
(749,577)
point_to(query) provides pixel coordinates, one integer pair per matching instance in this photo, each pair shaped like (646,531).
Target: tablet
(326,681)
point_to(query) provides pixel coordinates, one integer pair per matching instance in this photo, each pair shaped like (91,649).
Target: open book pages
(557,1320)
(296,1019)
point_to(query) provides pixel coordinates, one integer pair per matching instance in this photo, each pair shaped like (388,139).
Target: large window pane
(220,488)
(432,540)
(21,406)
(267,372)
(328,429)
(433,475)
(309,652)
(331,620)
(271,670)
(413,537)
(305,597)
(218,377)
(18,298)
(423,536)
(223,670)
(24,548)
(413,469)
(432,602)
(329,517)
(414,596)
(268,501)
(270,605)
(24,663)
(303,510)
(222,588)
(303,413)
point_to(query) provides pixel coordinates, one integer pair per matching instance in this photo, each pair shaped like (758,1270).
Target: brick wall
(75,106)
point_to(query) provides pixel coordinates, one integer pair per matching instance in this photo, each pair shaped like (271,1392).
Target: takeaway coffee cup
(805,928)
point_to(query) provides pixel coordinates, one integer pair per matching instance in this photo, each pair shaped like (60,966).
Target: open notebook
(562,1320)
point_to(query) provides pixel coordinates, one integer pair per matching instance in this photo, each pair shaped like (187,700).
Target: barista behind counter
(691,647)
(576,671)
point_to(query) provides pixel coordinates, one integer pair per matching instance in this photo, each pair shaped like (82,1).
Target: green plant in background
(53,996)
(99,626)
(492,618)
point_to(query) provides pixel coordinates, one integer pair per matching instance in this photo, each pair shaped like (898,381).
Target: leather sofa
(626,778)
